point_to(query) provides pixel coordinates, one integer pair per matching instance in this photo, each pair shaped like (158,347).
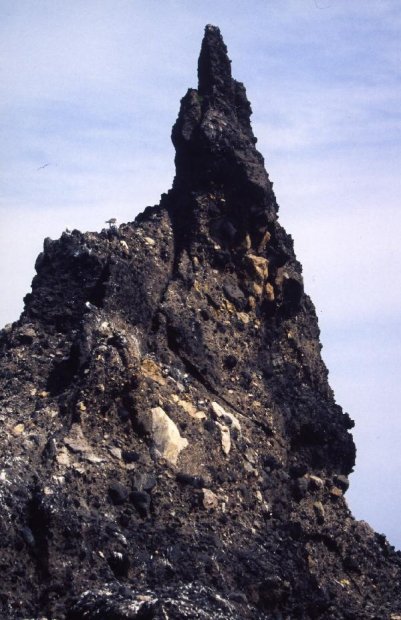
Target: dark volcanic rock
(170,444)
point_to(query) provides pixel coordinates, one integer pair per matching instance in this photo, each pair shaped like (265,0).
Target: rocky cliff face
(170,445)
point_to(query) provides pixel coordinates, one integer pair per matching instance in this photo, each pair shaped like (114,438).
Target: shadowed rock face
(171,446)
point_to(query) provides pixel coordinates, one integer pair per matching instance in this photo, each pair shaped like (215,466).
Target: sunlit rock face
(171,447)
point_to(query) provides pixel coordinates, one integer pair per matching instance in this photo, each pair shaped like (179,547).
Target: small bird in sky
(44,166)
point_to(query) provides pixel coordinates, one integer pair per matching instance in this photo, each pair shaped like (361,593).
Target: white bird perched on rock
(111,222)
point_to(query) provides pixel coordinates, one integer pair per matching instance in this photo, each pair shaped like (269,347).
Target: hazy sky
(89,92)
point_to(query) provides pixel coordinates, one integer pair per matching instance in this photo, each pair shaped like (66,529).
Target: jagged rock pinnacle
(216,156)
(214,66)
(213,135)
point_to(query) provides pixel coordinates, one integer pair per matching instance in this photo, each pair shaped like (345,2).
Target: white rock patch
(228,417)
(167,440)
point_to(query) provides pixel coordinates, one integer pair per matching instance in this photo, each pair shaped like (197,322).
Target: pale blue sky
(92,88)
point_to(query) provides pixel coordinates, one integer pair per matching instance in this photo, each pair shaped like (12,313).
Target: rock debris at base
(170,444)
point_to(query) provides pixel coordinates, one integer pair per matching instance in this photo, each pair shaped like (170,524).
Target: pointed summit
(216,156)
(214,66)
(213,136)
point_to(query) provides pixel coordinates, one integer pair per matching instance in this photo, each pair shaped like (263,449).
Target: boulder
(167,441)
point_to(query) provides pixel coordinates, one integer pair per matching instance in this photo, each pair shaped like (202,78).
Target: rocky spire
(221,188)
(214,66)
(214,122)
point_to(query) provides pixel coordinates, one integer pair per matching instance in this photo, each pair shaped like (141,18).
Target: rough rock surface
(195,311)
